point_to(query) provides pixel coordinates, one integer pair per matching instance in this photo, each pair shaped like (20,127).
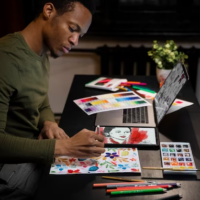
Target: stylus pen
(176,196)
(98,129)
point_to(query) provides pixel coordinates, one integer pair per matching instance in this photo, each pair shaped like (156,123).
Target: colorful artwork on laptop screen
(113,160)
(128,135)
(107,102)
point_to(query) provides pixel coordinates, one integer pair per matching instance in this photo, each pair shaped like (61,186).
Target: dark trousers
(19,181)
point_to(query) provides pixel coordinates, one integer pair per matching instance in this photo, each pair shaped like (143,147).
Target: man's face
(62,32)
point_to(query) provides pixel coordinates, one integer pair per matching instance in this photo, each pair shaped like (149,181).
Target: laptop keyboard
(136,115)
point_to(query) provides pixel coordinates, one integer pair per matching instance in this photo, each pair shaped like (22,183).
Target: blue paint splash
(93,168)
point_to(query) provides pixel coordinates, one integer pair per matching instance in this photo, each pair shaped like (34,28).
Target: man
(25,114)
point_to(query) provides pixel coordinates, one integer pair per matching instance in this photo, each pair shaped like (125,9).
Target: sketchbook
(113,160)
(106,83)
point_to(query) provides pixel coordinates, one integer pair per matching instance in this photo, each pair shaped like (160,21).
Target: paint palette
(107,102)
(113,160)
(177,155)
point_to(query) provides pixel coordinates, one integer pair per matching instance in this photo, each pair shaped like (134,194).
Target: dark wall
(11,16)
(147,18)
(121,18)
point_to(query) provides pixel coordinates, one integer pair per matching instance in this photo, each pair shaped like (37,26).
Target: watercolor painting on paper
(113,160)
(128,135)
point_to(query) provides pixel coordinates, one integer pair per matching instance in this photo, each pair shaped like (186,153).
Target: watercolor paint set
(108,102)
(106,83)
(113,160)
(177,155)
(129,136)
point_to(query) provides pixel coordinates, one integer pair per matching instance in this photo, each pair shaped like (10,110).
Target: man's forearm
(22,150)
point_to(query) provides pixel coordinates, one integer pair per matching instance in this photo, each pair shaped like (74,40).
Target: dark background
(130,20)
(120,18)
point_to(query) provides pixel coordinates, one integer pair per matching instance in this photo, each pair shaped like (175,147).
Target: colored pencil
(131,82)
(171,169)
(141,95)
(144,89)
(176,196)
(139,191)
(127,89)
(128,83)
(123,179)
(141,184)
(106,184)
(122,88)
(139,188)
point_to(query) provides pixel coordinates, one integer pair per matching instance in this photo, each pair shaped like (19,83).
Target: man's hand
(84,144)
(51,131)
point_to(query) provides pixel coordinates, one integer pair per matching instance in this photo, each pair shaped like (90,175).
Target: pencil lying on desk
(122,88)
(172,169)
(141,95)
(123,179)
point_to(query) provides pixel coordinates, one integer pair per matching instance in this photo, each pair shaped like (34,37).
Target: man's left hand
(52,131)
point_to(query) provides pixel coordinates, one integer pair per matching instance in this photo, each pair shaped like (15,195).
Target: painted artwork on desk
(113,160)
(128,135)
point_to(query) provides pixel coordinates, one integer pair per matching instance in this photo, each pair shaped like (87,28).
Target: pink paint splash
(179,102)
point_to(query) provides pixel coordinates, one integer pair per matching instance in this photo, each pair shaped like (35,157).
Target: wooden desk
(180,126)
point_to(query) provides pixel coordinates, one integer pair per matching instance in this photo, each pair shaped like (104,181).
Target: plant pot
(162,74)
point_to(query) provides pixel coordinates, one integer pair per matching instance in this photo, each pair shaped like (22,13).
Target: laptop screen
(170,89)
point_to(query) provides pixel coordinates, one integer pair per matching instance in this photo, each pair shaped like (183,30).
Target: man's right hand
(84,144)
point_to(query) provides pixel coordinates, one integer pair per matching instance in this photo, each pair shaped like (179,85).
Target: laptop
(149,116)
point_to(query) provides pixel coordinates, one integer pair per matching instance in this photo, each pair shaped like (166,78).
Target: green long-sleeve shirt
(24,103)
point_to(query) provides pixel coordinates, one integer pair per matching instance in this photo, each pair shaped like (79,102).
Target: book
(105,83)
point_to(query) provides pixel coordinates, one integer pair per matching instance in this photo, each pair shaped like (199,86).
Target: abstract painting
(113,160)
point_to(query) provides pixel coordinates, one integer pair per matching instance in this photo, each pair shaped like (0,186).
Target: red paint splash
(72,160)
(135,170)
(137,136)
(73,171)
(179,102)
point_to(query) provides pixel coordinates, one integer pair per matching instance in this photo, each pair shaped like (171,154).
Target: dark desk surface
(180,126)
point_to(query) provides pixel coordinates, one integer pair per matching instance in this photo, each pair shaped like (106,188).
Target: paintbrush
(123,179)
(171,169)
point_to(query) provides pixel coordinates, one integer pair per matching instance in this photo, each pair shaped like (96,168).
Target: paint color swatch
(107,102)
(177,155)
(113,160)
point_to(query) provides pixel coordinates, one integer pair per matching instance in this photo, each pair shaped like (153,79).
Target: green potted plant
(165,56)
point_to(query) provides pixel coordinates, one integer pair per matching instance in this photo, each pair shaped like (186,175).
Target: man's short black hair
(63,6)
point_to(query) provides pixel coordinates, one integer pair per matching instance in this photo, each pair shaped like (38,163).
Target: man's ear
(48,11)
